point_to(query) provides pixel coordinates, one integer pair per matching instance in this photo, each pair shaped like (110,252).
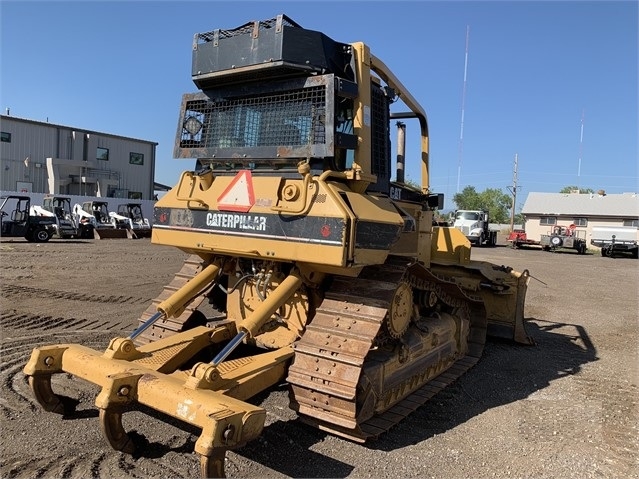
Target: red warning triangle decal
(238,195)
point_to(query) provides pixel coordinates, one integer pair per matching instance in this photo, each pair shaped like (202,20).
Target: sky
(552,84)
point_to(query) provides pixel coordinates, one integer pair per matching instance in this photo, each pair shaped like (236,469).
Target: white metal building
(542,211)
(41,157)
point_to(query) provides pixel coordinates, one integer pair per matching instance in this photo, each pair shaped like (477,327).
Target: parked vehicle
(616,240)
(564,237)
(475,226)
(17,220)
(66,224)
(519,239)
(105,225)
(132,214)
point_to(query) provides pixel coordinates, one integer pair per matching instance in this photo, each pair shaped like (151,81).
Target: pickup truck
(615,240)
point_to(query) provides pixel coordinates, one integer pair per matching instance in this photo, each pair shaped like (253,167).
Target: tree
(570,189)
(494,200)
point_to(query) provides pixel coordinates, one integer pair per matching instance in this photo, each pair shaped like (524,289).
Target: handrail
(194,182)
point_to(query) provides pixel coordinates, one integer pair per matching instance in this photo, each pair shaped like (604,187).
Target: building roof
(582,204)
(83,130)
(160,187)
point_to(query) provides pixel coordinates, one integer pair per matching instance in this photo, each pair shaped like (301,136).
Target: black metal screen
(381,146)
(292,118)
(277,122)
(249,28)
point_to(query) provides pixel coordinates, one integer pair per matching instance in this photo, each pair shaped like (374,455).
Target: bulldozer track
(333,352)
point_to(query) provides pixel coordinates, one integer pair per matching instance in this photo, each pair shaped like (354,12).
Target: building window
(136,158)
(6,137)
(634,222)
(548,220)
(135,195)
(103,154)
(580,221)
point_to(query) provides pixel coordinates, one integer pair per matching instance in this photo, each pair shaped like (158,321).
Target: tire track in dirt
(17,273)
(35,314)
(98,460)
(85,465)
(29,322)
(16,350)
(9,290)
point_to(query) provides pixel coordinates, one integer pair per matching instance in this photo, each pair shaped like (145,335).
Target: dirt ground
(564,408)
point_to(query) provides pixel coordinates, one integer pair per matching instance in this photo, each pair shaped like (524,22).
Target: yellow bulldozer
(307,263)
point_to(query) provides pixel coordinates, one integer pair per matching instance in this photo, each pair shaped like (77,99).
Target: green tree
(494,200)
(570,189)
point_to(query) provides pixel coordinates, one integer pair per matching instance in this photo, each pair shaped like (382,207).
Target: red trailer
(518,239)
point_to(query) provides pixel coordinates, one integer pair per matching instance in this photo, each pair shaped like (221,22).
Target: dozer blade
(148,376)
(112,233)
(501,289)
(503,292)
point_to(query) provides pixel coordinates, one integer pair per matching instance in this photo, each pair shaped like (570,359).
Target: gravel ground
(566,407)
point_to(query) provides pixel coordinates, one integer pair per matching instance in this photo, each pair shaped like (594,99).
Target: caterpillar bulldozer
(307,263)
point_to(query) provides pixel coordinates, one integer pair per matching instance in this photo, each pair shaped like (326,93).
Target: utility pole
(513,190)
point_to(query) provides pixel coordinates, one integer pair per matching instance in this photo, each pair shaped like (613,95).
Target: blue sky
(533,70)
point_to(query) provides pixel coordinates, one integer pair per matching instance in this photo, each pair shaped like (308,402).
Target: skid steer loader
(105,225)
(66,223)
(328,274)
(131,214)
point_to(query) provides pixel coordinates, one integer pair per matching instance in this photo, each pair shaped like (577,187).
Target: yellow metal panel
(362,121)
(249,247)
(189,218)
(450,246)
(378,209)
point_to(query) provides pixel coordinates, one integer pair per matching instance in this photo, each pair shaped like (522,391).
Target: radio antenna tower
(581,142)
(513,190)
(463,105)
